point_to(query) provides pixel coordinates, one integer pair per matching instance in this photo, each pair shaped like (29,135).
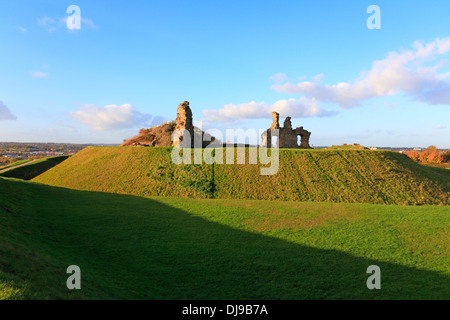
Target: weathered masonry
(286,136)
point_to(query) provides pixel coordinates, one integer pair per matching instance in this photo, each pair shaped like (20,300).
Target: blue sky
(133,62)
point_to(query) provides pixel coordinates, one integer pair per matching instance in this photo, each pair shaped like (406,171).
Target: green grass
(362,176)
(15,163)
(442,171)
(131,247)
(31,170)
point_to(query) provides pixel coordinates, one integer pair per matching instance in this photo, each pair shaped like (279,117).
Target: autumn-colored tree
(429,155)
(413,154)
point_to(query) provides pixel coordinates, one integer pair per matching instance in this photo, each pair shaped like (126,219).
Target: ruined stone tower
(286,136)
(184,122)
(185,128)
(275,120)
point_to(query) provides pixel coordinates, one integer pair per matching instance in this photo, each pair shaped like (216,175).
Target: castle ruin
(286,136)
(185,128)
(172,134)
(184,122)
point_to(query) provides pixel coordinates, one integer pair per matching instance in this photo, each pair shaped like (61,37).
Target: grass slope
(15,164)
(30,170)
(379,177)
(130,247)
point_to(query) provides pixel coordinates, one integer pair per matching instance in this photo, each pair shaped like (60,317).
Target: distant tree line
(429,155)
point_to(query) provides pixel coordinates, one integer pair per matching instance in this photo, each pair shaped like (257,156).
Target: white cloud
(111,117)
(86,23)
(48,23)
(5,113)
(407,71)
(22,29)
(51,24)
(318,77)
(296,108)
(39,74)
(279,77)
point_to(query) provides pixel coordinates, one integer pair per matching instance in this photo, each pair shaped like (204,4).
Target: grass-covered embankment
(131,247)
(33,168)
(14,164)
(364,176)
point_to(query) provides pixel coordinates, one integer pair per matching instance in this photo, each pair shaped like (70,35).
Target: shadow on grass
(137,248)
(29,171)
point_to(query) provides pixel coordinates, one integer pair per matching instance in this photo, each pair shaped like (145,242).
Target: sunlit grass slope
(365,176)
(131,247)
(34,168)
(15,163)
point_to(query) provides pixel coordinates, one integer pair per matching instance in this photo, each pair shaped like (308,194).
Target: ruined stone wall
(286,136)
(304,134)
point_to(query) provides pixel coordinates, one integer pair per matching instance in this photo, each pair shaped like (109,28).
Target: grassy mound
(34,168)
(380,177)
(131,247)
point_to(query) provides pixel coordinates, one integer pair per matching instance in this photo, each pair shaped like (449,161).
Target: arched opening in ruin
(299,140)
(274,141)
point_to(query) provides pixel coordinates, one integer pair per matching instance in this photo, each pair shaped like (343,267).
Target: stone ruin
(184,122)
(286,136)
(166,134)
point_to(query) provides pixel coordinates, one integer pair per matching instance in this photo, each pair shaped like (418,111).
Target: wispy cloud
(52,25)
(22,29)
(440,127)
(48,23)
(296,108)
(406,71)
(39,74)
(5,113)
(279,77)
(111,117)
(86,23)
